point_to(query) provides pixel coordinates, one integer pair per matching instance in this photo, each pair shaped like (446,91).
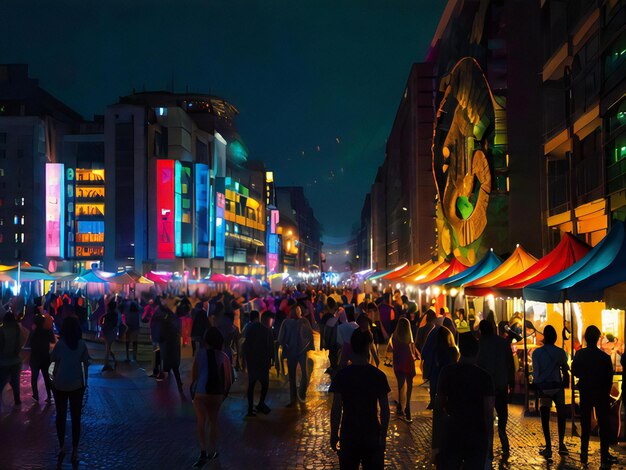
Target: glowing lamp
(436,291)
(454,292)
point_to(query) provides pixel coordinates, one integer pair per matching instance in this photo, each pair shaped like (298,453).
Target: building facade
(584,106)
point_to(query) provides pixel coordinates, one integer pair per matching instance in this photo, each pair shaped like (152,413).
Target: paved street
(132,422)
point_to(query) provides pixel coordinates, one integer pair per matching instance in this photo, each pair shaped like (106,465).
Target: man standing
(358,391)
(296,339)
(495,357)
(258,349)
(463,414)
(594,370)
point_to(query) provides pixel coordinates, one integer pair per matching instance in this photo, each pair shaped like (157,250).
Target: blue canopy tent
(488,263)
(585,281)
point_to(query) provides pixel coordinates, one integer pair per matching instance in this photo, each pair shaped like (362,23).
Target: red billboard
(166,248)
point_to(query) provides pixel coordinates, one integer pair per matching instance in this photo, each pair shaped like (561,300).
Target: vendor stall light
(490,297)
(454,292)
(398,285)
(444,292)
(436,291)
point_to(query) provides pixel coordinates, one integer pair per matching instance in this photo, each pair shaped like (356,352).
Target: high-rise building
(584,107)
(33,128)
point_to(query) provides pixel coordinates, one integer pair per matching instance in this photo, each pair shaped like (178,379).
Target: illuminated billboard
(165,209)
(55,209)
(202,210)
(220,229)
(185,209)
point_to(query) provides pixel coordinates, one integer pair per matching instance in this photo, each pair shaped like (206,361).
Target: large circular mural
(467,125)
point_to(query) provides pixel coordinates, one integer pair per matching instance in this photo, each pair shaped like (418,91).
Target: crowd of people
(467,362)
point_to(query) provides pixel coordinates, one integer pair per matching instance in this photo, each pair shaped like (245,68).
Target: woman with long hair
(211,380)
(404,357)
(436,355)
(69,381)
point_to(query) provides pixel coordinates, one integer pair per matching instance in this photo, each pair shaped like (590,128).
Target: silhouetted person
(463,413)
(359,390)
(495,356)
(549,363)
(594,370)
(40,340)
(258,349)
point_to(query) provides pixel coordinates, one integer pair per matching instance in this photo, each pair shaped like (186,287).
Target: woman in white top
(211,380)
(69,380)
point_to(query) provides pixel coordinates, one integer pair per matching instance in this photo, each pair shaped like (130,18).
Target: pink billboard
(55,209)
(165,209)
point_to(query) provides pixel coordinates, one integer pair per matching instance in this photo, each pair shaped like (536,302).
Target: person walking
(131,320)
(211,377)
(199,324)
(463,411)
(258,350)
(40,340)
(549,367)
(10,361)
(594,370)
(296,339)
(69,381)
(344,333)
(495,357)
(435,356)
(359,391)
(109,324)
(169,342)
(404,357)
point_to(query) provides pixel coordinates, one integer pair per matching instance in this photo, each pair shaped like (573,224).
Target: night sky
(317,83)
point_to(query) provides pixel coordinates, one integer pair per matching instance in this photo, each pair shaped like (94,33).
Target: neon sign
(220,229)
(202,210)
(55,209)
(165,209)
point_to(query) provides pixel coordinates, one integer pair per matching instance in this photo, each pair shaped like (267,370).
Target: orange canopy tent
(454,267)
(519,261)
(397,274)
(409,272)
(425,270)
(569,250)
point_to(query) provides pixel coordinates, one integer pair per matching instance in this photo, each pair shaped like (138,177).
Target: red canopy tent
(455,267)
(569,250)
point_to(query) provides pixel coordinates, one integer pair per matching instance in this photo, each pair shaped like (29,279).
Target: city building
(299,230)
(584,107)
(33,128)
(463,158)
(182,194)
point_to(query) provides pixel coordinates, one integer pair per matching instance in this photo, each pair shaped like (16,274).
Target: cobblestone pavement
(133,422)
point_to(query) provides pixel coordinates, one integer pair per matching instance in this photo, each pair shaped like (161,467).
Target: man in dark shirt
(463,414)
(496,358)
(594,370)
(359,389)
(258,350)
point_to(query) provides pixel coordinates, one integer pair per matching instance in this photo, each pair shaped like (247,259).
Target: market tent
(602,267)
(454,267)
(488,263)
(160,277)
(396,274)
(98,277)
(129,277)
(422,272)
(379,274)
(438,267)
(569,250)
(519,261)
(612,276)
(25,275)
(410,273)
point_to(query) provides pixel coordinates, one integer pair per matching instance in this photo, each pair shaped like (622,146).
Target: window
(19,201)
(22,237)
(22,220)
(16,220)
(1,171)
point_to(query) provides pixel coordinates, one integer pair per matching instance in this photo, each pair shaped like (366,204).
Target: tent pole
(525,337)
(571,376)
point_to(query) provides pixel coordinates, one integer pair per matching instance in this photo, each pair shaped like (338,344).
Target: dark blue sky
(302,73)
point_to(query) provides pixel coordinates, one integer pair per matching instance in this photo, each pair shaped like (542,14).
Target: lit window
(22,221)
(17,237)
(1,171)
(22,237)
(16,220)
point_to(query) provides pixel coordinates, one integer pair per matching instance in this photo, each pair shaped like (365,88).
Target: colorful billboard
(186,210)
(165,209)
(55,209)
(220,229)
(202,210)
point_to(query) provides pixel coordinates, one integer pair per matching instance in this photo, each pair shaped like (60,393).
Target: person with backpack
(10,361)
(211,380)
